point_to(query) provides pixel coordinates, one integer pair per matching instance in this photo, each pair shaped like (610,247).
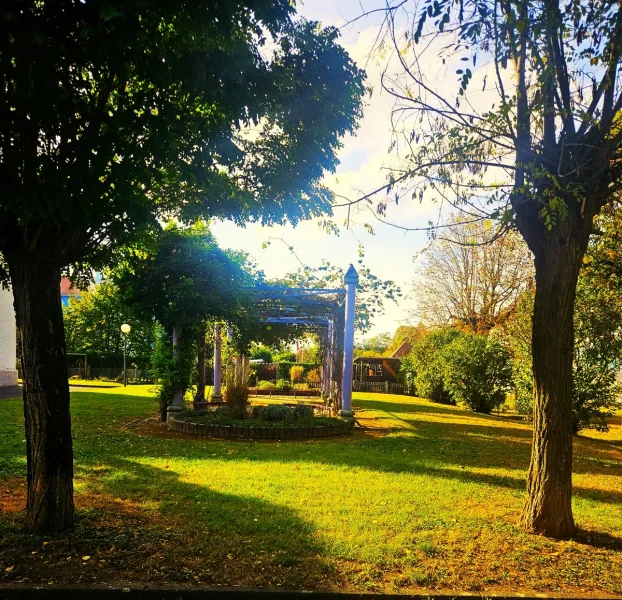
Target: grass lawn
(427,496)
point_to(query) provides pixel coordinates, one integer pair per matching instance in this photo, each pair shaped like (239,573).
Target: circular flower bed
(273,422)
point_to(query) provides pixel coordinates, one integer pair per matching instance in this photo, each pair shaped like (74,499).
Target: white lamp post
(125,329)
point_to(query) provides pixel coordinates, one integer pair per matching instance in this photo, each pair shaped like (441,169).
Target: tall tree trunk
(49,453)
(548,509)
(200,394)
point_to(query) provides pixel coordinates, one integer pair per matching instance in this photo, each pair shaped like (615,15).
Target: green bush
(284,385)
(277,412)
(426,363)
(280,412)
(266,385)
(597,346)
(477,371)
(261,352)
(301,411)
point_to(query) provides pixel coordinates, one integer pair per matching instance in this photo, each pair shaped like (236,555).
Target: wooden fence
(382,387)
(135,375)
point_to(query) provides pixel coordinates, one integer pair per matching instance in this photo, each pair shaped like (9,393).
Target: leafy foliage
(477,371)
(259,351)
(515,333)
(598,344)
(427,364)
(296,374)
(283,384)
(149,115)
(180,276)
(373,346)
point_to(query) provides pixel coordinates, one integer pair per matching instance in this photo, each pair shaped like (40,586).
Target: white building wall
(8,373)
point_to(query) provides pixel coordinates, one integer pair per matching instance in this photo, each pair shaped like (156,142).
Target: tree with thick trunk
(116,116)
(49,455)
(535,145)
(548,508)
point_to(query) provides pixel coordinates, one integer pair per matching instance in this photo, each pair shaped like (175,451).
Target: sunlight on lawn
(426,496)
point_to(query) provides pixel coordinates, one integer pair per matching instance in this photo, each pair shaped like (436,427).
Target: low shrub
(314,376)
(266,385)
(301,411)
(283,384)
(280,412)
(236,390)
(283,369)
(277,412)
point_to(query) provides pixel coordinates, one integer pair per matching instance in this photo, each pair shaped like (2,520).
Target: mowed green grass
(427,496)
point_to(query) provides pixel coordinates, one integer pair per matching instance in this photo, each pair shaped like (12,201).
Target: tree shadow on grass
(149,526)
(403,407)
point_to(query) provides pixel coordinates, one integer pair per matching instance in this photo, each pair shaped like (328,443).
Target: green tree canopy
(93,325)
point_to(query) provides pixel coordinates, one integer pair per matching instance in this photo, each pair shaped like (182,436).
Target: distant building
(8,343)
(8,371)
(67,291)
(376,368)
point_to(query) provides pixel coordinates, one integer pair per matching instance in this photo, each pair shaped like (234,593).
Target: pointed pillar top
(351,276)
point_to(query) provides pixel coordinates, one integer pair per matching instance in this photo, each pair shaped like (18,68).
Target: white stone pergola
(311,307)
(8,372)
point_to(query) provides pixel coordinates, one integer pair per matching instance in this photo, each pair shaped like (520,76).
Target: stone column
(178,399)
(217,395)
(350,281)
(327,368)
(8,372)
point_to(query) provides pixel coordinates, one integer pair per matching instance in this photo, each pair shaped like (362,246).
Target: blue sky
(389,252)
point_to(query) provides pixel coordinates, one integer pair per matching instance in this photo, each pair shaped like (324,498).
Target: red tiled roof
(66,288)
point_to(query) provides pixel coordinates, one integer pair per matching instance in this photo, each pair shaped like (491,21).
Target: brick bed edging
(240,432)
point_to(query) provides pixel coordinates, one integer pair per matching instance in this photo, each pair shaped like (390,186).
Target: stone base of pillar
(8,377)
(173,411)
(216,399)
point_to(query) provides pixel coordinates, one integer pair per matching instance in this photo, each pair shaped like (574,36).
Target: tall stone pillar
(217,395)
(350,281)
(8,372)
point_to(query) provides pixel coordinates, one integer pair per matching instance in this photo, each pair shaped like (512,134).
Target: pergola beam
(293,306)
